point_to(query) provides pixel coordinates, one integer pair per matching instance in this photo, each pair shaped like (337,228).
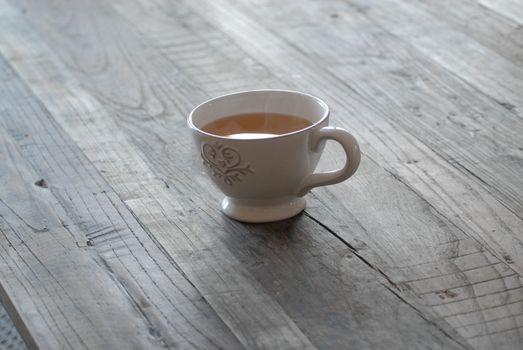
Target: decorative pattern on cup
(224,163)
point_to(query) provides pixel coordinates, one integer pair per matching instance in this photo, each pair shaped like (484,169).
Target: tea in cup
(261,147)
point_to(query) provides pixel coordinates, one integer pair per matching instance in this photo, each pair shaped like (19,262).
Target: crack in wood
(391,285)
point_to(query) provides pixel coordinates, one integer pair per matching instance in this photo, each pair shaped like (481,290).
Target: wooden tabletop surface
(111,236)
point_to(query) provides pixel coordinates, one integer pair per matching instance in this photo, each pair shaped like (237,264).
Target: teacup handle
(352,150)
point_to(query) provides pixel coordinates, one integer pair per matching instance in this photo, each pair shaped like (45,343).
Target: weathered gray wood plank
(56,288)
(149,23)
(447,115)
(258,321)
(170,309)
(452,99)
(481,23)
(420,166)
(450,254)
(230,263)
(190,59)
(512,9)
(489,72)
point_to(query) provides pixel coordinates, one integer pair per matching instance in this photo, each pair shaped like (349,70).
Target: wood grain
(432,170)
(163,302)
(489,72)
(42,264)
(422,246)
(235,266)
(426,255)
(382,121)
(481,23)
(512,9)
(281,330)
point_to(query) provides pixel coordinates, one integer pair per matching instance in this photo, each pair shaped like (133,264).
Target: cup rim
(304,130)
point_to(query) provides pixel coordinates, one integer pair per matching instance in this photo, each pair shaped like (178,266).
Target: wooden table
(111,235)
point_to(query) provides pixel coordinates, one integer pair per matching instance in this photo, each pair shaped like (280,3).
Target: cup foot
(262,210)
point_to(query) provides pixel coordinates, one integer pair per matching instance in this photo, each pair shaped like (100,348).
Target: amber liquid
(256,125)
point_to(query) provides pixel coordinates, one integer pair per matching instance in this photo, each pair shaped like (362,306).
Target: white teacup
(265,179)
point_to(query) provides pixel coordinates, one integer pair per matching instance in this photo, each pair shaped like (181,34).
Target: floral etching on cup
(224,163)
